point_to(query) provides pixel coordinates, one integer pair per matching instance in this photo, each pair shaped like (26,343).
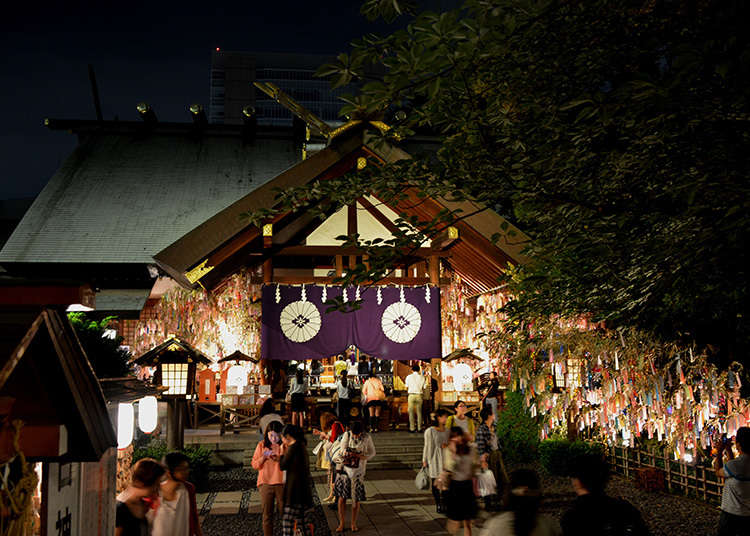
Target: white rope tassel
(324,296)
(380,296)
(427,293)
(401,298)
(346,298)
(278,293)
(304,294)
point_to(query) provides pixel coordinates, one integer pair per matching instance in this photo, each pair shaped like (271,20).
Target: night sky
(158,52)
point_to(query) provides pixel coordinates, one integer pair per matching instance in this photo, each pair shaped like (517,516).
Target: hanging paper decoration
(401,321)
(324,295)
(304,294)
(380,296)
(345,296)
(427,293)
(278,294)
(300,321)
(356,294)
(401,294)
(217,323)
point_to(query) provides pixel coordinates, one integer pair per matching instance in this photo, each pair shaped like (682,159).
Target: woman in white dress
(356,448)
(435,439)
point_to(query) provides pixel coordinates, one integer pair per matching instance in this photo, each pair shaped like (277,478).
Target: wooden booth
(57,442)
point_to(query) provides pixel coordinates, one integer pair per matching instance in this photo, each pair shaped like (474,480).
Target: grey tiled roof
(123,197)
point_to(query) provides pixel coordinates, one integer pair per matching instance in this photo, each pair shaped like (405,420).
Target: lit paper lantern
(147,414)
(125,422)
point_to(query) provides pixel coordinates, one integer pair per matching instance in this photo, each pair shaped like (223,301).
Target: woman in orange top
(270,476)
(374,395)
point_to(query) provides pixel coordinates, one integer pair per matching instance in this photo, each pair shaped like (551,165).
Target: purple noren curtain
(298,327)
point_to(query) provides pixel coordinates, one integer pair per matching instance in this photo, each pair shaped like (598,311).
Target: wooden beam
(330,251)
(312,280)
(446,238)
(382,218)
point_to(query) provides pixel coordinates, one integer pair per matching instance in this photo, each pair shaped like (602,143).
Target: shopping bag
(422,480)
(486,483)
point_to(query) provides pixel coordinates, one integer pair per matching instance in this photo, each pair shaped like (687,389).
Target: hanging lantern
(147,414)
(125,423)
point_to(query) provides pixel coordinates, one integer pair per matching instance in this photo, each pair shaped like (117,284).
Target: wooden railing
(697,480)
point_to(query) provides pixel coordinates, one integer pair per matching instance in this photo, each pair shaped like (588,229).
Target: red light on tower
(217,49)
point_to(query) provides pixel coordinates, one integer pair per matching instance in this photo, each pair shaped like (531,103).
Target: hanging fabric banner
(402,324)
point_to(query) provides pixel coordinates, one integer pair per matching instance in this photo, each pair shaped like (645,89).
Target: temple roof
(128,191)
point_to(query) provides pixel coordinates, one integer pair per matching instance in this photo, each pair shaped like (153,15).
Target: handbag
(288,397)
(422,480)
(486,483)
(351,459)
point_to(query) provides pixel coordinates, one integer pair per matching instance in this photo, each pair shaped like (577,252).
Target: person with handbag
(355,449)
(373,394)
(435,439)
(329,434)
(461,419)
(460,463)
(490,456)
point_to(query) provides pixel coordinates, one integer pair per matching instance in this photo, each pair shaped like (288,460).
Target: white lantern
(125,422)
(147,414)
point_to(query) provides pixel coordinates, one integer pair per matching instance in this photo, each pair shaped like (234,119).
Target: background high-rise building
(233,74)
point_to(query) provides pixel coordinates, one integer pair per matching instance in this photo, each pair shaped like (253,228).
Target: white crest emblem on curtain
(401,322)
(300,321)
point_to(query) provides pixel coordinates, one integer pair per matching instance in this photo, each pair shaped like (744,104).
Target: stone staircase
(394,450)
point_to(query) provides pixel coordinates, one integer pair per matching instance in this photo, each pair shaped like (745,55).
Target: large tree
(613,132)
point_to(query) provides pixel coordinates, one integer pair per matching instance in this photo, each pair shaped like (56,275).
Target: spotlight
(197,113)
(248,113)
(146,112)
(249,123)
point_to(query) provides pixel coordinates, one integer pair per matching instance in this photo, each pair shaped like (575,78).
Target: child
(178,513)
(270,476)
(137,499)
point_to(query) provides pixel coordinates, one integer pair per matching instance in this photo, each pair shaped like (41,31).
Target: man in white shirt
(414,386)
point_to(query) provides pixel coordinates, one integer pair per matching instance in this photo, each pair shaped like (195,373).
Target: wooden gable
(46,373)
(225,243)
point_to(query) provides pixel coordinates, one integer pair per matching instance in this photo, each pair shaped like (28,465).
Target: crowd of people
(459,456)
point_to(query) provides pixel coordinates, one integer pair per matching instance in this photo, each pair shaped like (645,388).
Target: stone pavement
(394,507)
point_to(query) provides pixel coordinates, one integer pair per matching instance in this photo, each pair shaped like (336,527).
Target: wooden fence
(697,480)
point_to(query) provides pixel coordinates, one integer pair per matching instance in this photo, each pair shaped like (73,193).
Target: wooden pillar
(434,267)
(339,265)
(175,424)
(268,271)
(351,230)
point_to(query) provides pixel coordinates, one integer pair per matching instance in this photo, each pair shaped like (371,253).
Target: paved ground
(395,508)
